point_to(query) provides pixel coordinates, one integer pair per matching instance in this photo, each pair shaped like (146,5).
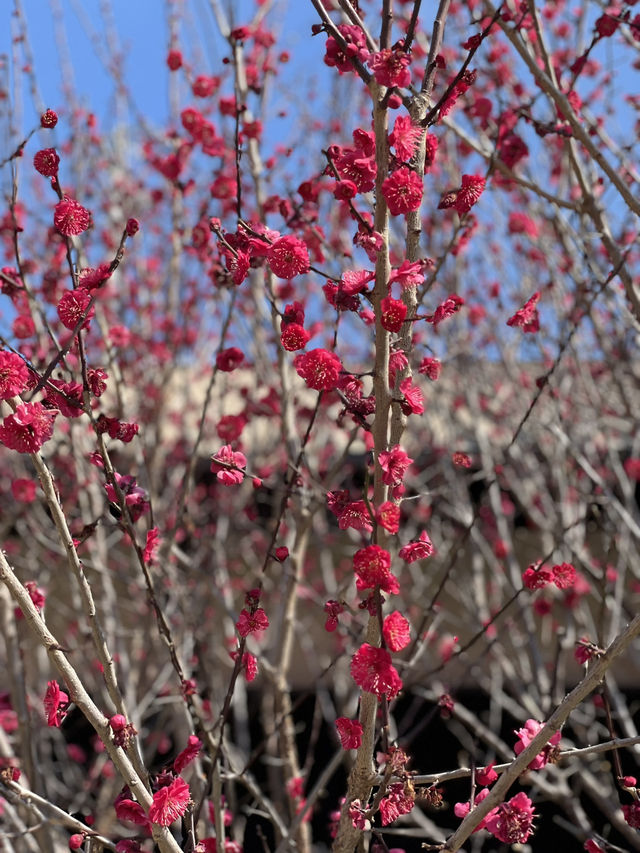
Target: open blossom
(373,672)
(249,622)
(56,704)
(46,162)
(288,257)
(293,337)
(564,575)
(319,368)
(350,732)
(536,576)
(170,802)
(391,67)
(135,497)
(396,631)
(461,810)
(404,137)
(70,217)
(418,550)
(229,359)
(402,191)
(337,56)
(372,566)
(511,822)
(14,375)
(355,515)
(431,368)
(27,429)
(73,307)
(526,735)
(388,516)
(227,465)
(463,198)
(393,313)
(394,464)
(399,800)
(527,317)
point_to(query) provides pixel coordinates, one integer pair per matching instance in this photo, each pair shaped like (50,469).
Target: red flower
(46,162)
(404,137)
(23,490)
(229,359)
(393,313)
(355,515)
(463,199)
(293,337)
(394,464)
(227,465)
(469,192)
(288,257)
(350,732)
(14,375)
(527,317)
(341,58)
(632,814)
(388,516)
(390,67)
(396,631)
(28,428)
(511,822)
(402,191)
(319,368)
(431,368)
(170,803)
(204,86)
(151,545)
(56,704)
(250,666)
(188,754)
(413,403)
(536,576)
(48,119)
(372,566)
(73,307)
(418,550)
(249,622)
(398,801)
(526,735)
(461,459)
(461,810)
(448,308)
(174,60)
(127,809)
(564,575)
(92,278)
(373,672)
(70,217)
(486,775)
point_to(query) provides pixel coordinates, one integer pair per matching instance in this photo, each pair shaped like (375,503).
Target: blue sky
(73,44)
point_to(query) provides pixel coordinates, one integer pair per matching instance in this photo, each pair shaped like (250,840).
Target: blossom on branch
(288,257)
(56,704)
(170,802)
(402,191)
(350,732)
(319,368)
(228,465)
(373,672)
(14,375)
(372,566)
(391,67)
(511,822)
(70,217)
(27,429)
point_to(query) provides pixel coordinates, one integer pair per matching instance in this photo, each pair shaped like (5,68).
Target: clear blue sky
(76,41)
